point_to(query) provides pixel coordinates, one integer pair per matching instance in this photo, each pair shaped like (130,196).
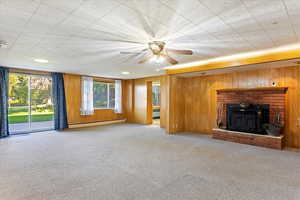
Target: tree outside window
(104,95)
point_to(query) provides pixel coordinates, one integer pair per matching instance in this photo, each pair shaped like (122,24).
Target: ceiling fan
(159,53)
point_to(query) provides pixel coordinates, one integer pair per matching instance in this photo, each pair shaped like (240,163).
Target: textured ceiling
(83,36)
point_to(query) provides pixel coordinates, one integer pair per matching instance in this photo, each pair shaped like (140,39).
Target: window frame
(108,95)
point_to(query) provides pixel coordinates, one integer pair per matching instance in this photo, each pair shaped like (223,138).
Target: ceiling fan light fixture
(154,58)
(159,54)
(159,59)
(156,47)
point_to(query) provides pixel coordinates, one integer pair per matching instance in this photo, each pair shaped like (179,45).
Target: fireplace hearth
(248,118)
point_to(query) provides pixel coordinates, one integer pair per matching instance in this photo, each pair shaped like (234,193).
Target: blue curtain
(59,100)
(4,132)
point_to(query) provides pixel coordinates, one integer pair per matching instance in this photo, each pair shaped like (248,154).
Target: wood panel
(175,106)
(140,101)
(199,95)
(73,100)
(128,100)
(164,101)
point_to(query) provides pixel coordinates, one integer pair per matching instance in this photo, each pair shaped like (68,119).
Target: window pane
(100,95)
(18,110)
(41,103)
(111,95)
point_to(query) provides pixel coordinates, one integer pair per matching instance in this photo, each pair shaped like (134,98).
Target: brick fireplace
(272,98)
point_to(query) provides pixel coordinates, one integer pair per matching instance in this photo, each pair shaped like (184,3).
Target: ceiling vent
(3,44)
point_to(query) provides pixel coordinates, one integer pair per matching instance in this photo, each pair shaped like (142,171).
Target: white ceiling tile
(164,16)
(124,19)
(192,10)
(292,9)
(293,6)
(64,5)
(219,7)
(182,7)
(94,9)
(258,38)
(12,19)
(73,24)
(272,11)
(132,24)
(43,21)
(240,19)
(20,6)
(216,26)
(282,37)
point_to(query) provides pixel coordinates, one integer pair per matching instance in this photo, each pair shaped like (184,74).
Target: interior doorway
(156,103)
(30,103)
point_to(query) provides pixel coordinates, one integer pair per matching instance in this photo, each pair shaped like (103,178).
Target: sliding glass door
(30,103)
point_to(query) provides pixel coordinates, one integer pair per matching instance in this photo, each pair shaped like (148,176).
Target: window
(30,103)
(104,95)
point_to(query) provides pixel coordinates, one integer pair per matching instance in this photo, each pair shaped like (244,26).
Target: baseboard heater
(97,123)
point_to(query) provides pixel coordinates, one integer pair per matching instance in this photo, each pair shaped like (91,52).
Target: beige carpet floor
(128,161)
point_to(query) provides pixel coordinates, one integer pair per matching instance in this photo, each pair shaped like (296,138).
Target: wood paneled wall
(73,100)
(198,98)
(175,105)
(138,98)
(128,99)
(164,100)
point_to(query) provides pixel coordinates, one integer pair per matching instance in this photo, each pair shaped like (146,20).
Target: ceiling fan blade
(145,59)
(170,59)
(125,52)
(134,52)
(182,52)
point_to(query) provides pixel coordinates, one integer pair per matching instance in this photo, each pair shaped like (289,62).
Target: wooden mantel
(282,89)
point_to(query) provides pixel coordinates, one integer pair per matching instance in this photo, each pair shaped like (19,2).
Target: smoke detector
(3,44)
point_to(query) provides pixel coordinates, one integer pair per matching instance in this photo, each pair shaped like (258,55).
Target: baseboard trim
(100,123)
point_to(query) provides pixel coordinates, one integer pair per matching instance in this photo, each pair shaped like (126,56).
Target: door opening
(156,103)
